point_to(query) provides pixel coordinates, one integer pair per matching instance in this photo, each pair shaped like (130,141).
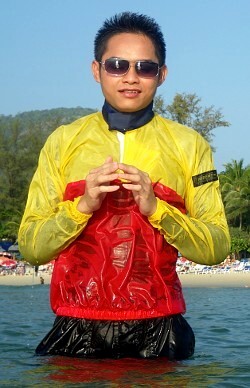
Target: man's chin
(125,108)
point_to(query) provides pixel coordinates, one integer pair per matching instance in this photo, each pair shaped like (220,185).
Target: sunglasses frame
(136,66)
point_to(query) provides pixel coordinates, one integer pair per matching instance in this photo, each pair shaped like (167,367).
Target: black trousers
(171,337)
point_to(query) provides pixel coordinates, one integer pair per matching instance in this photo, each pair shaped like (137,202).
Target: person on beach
(115,196)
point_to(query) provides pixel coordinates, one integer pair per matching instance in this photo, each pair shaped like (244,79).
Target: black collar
(123,121)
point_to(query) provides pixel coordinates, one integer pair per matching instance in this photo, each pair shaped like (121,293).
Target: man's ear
(96,71)
(162,75)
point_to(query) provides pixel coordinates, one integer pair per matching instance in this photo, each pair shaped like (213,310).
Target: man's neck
(126,121)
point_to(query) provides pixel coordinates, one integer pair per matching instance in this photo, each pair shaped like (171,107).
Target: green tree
(240,243)
(21,139)
(187,110)
(235,189)
(11,175)
(19,154)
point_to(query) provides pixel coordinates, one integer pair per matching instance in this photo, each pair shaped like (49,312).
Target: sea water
(219,316)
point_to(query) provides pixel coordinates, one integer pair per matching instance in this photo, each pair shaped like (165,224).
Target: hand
(98,185)
(141,186)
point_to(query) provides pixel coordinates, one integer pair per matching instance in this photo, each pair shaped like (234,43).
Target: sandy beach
(24,280)
(231,279)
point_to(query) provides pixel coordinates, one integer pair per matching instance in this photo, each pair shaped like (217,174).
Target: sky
(46,50)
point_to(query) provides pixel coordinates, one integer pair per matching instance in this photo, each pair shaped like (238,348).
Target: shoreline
(24,280)
(215,280)
(231,279)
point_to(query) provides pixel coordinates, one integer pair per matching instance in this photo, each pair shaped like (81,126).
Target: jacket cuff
(161,211)
(75,214)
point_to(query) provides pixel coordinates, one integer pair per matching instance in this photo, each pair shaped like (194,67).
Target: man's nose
(131,75)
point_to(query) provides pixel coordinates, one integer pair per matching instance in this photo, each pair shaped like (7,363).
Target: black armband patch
(205,177)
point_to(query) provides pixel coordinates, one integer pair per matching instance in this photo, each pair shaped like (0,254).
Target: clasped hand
(98,184)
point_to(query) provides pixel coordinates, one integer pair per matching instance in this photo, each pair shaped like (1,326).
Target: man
(116,195)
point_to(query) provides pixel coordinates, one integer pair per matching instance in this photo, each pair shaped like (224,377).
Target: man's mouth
(130,92)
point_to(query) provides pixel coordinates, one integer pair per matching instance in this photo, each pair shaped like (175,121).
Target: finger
(102,179)
(132,187)
(94,181)
(134,178)
(108,188)
(109,159)
(106,168)
(141,178)
(128,168)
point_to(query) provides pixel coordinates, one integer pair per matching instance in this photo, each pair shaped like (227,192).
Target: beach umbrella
(4,255)
(7,262)
(14,249)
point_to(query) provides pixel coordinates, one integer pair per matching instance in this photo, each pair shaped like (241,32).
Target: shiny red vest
(120,267)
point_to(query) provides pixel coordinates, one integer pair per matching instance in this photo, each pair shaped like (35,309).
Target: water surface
(219,317)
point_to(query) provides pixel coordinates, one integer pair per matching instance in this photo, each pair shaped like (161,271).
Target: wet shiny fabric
(120,267)
(171,337)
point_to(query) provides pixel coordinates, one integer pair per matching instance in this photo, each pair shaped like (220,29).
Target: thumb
(109,159)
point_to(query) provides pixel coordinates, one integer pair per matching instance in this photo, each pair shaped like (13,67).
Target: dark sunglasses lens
(147,69)
(116,66)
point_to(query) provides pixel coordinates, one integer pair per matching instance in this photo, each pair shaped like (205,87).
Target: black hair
(129,22)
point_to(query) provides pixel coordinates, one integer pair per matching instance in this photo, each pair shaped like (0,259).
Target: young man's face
(129,92)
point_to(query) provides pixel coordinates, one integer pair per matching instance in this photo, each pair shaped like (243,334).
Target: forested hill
(48,116)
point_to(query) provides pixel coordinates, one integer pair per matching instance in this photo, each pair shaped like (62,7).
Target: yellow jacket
(173,155)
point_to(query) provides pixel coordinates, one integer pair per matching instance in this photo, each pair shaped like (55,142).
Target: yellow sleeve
(202,234)
(49,224)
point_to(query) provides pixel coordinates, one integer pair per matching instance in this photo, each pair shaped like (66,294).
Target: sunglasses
(119,67)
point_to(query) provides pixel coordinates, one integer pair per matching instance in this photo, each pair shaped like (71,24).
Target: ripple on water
(219,317)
